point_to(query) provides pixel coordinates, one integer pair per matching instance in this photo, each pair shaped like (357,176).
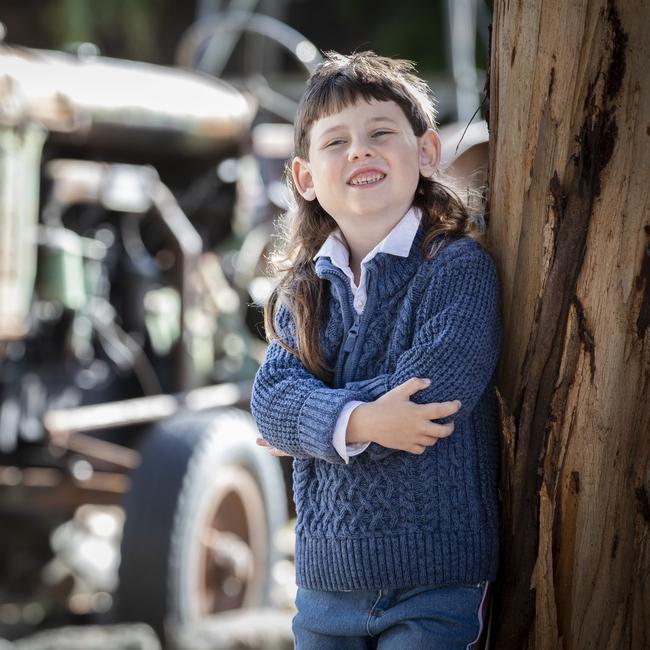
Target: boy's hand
(272,450)
(394,421)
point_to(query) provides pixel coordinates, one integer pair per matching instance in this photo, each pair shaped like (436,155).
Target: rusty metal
(189,247)
(232,544)
(86,331)
(52,491)
(97,449)
(78,180)
(61,422)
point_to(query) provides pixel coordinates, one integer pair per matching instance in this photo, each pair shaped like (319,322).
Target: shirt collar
(397,242)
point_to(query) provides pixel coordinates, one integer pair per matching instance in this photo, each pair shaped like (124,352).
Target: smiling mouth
(362,180)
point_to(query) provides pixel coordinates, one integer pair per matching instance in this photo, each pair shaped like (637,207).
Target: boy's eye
(334,142)
(380,132)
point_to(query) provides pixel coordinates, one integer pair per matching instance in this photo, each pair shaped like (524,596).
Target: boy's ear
(302,179)
(429,153)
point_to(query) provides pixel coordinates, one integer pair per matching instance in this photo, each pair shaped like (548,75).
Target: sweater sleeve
(295,411)
(458,343)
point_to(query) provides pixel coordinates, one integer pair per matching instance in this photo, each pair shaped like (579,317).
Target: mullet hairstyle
(338,82)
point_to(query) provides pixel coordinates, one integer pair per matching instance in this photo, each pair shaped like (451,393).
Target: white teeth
(365,180)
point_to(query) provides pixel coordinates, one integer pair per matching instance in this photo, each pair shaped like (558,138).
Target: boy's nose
(360,150)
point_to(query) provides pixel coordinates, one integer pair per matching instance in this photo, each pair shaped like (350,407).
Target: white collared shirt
(397,242)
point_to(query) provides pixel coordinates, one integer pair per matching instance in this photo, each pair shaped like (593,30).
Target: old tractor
(131,487)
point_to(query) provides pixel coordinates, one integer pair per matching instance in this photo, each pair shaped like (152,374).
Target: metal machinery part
(219,502)
(248,48)
(99,100)
(209,43)
(20,152)
(118,322)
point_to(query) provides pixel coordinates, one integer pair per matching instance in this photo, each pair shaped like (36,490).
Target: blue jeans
(445,617)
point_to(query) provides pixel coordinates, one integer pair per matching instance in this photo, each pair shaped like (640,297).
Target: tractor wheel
(201,517)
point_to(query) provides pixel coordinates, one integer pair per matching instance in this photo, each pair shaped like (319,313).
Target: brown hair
(340,81)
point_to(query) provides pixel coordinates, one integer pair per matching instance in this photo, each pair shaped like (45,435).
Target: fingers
(417,449)
(413,385)
(272,450)
(430,437)
(439,430)
(436,410)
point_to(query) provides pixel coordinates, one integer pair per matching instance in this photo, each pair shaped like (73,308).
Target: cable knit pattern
(391,519)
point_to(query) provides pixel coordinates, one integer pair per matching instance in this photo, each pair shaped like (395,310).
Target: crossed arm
(456,347)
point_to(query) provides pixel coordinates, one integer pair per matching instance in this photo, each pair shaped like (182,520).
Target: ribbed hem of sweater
(398,561)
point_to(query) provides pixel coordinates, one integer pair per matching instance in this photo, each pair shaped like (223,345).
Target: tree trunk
(570,230)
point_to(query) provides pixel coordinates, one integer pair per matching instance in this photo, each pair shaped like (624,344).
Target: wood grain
(569,226)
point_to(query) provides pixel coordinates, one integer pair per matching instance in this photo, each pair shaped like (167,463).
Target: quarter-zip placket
(351,337)
(349,349)
(353,341)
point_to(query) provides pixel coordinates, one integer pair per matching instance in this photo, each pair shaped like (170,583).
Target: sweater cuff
(340,431)
(317,421)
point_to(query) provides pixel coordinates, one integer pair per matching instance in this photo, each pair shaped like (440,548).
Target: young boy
(386,317)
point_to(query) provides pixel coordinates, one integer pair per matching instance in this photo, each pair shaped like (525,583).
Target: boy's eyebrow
(382,118)
(336,127)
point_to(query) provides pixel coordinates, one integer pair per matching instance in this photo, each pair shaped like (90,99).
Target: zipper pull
(351,337)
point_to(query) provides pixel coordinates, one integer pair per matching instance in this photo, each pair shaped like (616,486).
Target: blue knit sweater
(392,519)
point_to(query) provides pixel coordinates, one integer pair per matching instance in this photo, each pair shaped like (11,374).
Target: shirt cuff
(338,440)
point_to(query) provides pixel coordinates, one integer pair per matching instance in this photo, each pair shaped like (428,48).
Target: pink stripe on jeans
(481,615)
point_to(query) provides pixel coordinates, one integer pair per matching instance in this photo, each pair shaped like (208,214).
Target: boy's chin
(377,216)
(377,209)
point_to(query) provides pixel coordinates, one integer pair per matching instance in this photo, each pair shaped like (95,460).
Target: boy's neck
(363,238)
(361,241)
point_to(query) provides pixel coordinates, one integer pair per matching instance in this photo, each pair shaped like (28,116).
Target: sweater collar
(397,242)
(393,268)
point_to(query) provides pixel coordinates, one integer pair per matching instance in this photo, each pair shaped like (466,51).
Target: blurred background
(151,30)
(142,149)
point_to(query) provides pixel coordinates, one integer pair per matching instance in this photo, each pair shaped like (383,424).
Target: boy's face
(365,163)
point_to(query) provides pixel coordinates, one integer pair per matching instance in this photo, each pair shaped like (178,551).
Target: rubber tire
(181,462)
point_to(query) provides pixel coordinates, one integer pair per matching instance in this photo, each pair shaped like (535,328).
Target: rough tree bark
(570,229)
